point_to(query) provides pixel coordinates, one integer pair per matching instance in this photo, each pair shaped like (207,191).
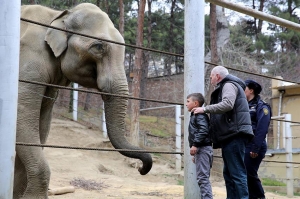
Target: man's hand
(253,155)
(193,150)
(198,110)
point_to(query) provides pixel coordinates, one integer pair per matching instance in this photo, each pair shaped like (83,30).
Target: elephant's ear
(57,39)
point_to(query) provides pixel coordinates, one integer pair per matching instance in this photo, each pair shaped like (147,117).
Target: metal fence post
(178,136)
(75,102)
(289,157)
(104,129)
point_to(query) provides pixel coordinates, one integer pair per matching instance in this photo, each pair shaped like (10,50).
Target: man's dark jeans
(234,171)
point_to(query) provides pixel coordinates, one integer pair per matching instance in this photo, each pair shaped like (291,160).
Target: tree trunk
(260,22)
(222,37)
(168,61)
(146,56)
(87,101)
(106,6)
(213,47)
(135,105)
(121,20)
(98,3)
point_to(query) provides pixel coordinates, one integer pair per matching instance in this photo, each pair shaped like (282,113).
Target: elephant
(56,57)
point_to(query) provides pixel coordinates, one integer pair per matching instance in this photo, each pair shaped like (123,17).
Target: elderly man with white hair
(230,128)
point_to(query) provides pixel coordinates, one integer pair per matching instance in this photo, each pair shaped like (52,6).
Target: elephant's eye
(99,46)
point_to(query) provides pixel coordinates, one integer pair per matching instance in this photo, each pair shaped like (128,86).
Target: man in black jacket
(200,144)
(230,128)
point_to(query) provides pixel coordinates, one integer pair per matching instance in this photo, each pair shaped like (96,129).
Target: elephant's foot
(34,196)
(35,192)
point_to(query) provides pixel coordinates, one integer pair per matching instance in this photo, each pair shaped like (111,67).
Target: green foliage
(207,33)
(271,182)
(156,126)
(180,182)
(239,39)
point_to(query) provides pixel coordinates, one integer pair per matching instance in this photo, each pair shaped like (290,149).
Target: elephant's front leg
(30,160)
(46,113)
(33,162)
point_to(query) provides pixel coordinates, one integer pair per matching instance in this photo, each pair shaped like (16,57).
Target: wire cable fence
(150,49)
(91,114)
(95,113)
(120,96)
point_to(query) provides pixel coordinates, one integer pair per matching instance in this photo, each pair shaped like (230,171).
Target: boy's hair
(197,97)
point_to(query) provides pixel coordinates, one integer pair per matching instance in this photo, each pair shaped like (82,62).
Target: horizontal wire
(101,39)
(84,113)
(286,121)
(125,150)
(273,161)
(149,49)
(251,73)
(95,149)
(116,95)
(99,149)
(98,92)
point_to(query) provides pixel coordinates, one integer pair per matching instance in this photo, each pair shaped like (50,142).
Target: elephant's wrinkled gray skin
(56,57)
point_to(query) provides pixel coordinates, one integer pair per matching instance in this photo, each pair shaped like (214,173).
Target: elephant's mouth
(106,98)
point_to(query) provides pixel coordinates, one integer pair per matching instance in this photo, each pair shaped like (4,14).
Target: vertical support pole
(284,136)
(279,122)
(178,136)
(289,157)
(193,81)
(9,72)
(75,102)
(104,130)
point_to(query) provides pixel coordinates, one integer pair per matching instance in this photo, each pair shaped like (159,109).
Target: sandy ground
(111,172)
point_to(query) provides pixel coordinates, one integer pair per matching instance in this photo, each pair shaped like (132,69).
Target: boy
(200,144)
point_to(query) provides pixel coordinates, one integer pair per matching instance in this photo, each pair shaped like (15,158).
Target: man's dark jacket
(198,130)
(236,122)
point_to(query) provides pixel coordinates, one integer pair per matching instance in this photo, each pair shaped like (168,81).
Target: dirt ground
(111,173)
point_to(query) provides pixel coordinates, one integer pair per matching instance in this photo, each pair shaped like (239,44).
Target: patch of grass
(167,175)
(271,182)
(148,119)
(180,182)
(159,126)
(157,154)
(158,132)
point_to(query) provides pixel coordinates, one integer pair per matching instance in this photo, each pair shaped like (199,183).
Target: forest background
(250,47)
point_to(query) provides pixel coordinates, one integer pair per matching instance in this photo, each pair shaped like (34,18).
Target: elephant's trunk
(115,108)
